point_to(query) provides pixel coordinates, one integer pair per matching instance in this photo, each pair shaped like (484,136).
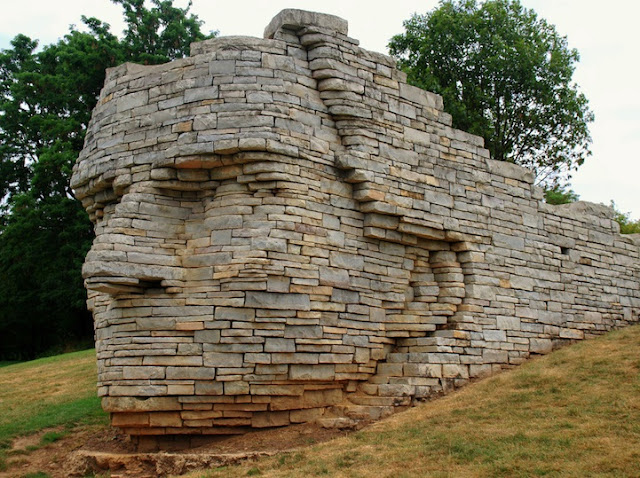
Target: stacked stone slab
(287,231)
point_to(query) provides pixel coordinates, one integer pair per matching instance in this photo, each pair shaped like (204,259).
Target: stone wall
(287,231)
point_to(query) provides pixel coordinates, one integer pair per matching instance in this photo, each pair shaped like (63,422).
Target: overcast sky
(605,33)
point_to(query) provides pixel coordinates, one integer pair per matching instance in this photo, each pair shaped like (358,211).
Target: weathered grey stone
(198,94)
(273,344)
(228,360)
(540,346)
(186,373)
(509,170)
(334,277)
(346,261)
(292,19)
(311,372)
(303,331)
(272,300)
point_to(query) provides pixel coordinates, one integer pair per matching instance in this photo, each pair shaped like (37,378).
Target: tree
(42,298)
(46,99)
(159,34)
(560,194)
(505,75)
(627,225)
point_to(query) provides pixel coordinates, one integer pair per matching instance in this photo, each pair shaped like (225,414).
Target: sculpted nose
(138,246)
(120,272)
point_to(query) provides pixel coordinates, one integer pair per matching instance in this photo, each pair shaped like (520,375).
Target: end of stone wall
(587,212)
(234,43)
(588,209)
(130,70)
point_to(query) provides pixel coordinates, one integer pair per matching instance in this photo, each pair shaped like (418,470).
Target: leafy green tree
(159,34)
(42,299)
(46,99)
(627,225)
(560,194)
(46,103)
(505,75)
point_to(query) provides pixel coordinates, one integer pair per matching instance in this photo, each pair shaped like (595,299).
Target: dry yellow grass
(574,413)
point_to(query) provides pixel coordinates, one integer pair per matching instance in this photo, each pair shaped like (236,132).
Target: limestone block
(209,388)
(508,323)
(272,300)
(302,331)
(131,404)
(311,372)
(270,419)
(165,419)
(280,345)
(540,346)
(218,359)
(190,373)
(236,388)
(148,373)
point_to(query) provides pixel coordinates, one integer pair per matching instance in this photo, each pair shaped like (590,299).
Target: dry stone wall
(287,231)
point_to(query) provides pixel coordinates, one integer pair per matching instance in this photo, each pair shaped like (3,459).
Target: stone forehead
(238,96)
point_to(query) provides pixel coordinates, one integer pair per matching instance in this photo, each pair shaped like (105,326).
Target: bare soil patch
(103,451)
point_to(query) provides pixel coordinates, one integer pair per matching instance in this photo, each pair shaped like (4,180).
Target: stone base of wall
(422,369)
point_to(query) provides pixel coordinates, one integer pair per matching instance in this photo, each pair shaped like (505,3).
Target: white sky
(605,34)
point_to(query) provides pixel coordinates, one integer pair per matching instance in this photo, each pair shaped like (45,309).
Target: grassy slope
(48,392)
(575,412)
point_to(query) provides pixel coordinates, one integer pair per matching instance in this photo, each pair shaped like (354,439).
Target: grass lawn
(48,392)
(573,413)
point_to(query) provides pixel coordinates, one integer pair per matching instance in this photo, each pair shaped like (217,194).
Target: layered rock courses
(287,231)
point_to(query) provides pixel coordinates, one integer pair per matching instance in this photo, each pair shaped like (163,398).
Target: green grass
(49,392)
(52,437)
(573,413)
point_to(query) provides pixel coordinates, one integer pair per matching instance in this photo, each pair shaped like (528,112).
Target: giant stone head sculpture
(286,231)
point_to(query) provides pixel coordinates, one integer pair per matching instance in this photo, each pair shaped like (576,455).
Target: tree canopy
(627,225)
(46,99)
(560,194)
(505,75)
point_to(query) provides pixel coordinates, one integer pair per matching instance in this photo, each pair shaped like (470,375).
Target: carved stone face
(244,279)
(248,270)
(249,278)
